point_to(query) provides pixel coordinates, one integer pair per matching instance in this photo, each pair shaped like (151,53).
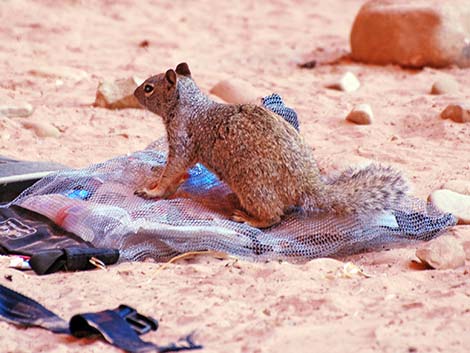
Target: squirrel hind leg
(243,217)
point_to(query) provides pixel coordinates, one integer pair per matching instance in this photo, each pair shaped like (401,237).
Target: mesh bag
(98,204)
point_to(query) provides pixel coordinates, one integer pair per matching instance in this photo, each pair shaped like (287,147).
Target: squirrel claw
(145,193)
(238,216)
(242,217)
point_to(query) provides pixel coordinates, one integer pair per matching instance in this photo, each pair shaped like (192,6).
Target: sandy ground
(237,306)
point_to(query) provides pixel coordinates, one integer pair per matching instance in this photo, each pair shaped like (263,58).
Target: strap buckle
(141,324)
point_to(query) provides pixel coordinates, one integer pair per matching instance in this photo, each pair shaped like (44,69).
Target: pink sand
(238,306)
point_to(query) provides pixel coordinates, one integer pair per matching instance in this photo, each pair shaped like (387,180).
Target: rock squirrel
(258,154)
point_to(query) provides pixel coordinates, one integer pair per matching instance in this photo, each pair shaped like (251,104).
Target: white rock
(412,33)
(361,115)
(236,91)
(460,186)
(41,129)
(60,72)
(445,85)
(118,94)
(21,110)
(442,253)
(347,83)
(460,113)
(452,202)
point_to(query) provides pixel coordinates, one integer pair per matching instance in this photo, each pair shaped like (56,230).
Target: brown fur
(257,153)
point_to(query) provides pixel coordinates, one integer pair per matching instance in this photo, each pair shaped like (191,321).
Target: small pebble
(236,91)
(347,83)
(449,201)
(21,110)
(308,64)
(361,115)
(117,94)
(445,85)
(460,113)
(460,186)
(144,44)
(41,129)
(442,253)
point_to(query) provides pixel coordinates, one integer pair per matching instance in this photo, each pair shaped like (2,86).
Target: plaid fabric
(275,104)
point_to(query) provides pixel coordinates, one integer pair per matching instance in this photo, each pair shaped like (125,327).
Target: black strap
(70,259)
(120,327)
(24,232)
(18,309)
(113,326)
(51,248)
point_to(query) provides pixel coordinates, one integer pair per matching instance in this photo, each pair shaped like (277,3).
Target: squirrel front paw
(147,193)
(242,217)
(239,216)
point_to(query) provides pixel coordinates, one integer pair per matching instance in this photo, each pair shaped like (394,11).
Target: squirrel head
(159,93)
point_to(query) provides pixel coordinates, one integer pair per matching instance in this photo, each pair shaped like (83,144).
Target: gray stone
(460,113)
(452,202)
(412,33)
(117,94)
(442,253)
(361,115)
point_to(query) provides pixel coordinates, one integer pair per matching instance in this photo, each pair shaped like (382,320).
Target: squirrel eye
(148,88)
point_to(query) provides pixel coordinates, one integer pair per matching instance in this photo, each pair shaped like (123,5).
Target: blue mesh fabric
(275,103)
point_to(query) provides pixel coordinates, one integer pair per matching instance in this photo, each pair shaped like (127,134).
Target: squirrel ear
(183,70)
(170,76)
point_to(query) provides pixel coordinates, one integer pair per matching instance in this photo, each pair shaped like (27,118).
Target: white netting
(98,204)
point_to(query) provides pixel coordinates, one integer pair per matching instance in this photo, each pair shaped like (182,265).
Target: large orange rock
(412,33)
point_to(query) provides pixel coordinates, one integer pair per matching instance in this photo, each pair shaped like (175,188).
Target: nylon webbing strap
(70,259)
(120,327)
(18,309)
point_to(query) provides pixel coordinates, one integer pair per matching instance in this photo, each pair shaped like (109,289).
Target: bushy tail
(373,188)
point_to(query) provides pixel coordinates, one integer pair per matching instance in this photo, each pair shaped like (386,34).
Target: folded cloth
(275,103)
